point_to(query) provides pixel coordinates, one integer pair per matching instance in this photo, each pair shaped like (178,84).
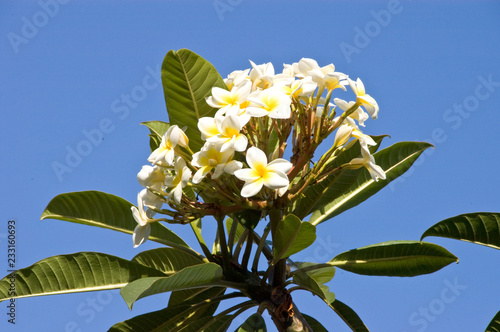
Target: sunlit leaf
(305,281)
(292,236)
(315,192)
(355,186)
(322,275)
(480,227)
(187,80)
(395,259)
(190,277)
(95,208)
(167,260)
(80,272)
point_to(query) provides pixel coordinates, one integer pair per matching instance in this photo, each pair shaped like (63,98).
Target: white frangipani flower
(164,154)
(302,68)
(358,114)
(344,132)
(236,78)
(143,229)
(210,158)
(207,127)
(229,136)
(178,181)
(151,176)
(262,76)
(260,173)
(366,100)
(225,100)
(367,161)
(271,102)
(297,88)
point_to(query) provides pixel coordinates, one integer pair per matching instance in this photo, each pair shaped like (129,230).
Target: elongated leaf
(322,275)
(315,192)
(95,208)
(157,129)
(187,80)
(195,295)
(167,260)
(349,316)
(150,321)
(254,323)
(172,316)
(305,281)
(237,229)
(314,324)
(355,186)
(395,259)
(494,325)
(190,277)
(220,324)
(80,272)
(480,227)
(292,236)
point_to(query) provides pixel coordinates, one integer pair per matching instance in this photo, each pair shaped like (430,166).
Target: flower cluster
(241,164)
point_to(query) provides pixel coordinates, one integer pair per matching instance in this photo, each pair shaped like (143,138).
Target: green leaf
(314,193)
(196,227)
(218,325)
(395,259)
(349,316)
(305,281)
(167,260)
(195,295)
(150,321)
(80,272)
(292,236)
(254,323)
(314,324)
(234,230)
(355,186)
(95,208)
(322,274)
(187,80)
(480,227)
(494,325)
(172,316)
(190,277)
(158,129)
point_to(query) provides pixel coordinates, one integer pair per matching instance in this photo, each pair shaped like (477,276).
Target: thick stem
(279,274)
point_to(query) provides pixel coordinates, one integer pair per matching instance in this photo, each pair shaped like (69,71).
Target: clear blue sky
(434,69)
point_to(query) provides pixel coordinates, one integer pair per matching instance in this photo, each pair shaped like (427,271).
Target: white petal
(233,166)
(256,158)
(280,164)
(141,234)
(276,180)
(201,173)
(247,175)
(251,188)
